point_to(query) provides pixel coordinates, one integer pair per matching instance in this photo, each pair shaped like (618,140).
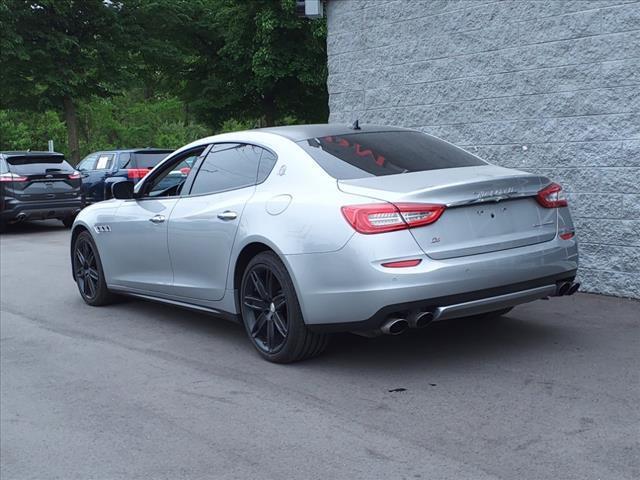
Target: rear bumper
(17,211)
(350,290)
(493,303)
(456,306)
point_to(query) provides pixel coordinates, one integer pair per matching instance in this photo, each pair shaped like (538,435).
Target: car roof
(302,132)
(136,150)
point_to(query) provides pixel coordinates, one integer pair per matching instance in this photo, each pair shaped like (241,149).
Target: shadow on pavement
(45,226)
(456,342)
(466,342)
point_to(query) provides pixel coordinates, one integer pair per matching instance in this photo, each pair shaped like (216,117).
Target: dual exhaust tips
(396,325)
(567,288)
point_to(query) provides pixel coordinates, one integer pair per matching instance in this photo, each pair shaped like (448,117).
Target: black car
(98,169)
(38,186)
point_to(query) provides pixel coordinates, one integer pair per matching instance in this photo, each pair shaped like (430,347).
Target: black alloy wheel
(86,268)
(266,309)
(88,272)
(271,312)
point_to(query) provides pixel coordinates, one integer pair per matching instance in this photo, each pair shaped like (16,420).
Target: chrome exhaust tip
(394,326)
(420,319)
(563,289)
(573,289)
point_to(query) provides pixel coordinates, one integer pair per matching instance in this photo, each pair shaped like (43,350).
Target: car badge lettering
(496,195)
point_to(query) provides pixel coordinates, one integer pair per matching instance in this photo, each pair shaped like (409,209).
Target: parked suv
(38,186)
(98,167)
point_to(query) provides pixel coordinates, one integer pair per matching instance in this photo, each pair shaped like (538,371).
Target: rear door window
(123,160)
(3,166)
(147,160)
(228,166)
(361,155)
(267,161)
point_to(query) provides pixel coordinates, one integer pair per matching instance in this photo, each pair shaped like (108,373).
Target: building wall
(551,87)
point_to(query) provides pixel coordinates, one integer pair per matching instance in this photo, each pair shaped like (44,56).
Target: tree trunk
(71,119)
(269,105)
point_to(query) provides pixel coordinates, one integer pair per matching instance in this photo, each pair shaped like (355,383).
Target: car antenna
(355,125)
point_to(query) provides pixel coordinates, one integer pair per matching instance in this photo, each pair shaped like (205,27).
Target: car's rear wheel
(271,313)
(88,272)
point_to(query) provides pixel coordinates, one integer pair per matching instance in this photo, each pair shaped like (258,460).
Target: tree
(56,53)
(227,63)
(251,59)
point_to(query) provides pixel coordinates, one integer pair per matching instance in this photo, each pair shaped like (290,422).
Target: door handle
(157,219)
(227,215)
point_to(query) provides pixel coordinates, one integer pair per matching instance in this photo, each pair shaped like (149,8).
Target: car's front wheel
(271,313)
(88,272)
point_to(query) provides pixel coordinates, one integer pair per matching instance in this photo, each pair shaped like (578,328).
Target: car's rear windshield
(147,160)
(34,164)
(360,155)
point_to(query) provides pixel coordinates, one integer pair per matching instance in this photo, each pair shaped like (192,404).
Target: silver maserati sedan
(300,231)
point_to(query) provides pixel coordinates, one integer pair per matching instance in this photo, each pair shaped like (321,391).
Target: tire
(88,272)
(271,313)
(68,221)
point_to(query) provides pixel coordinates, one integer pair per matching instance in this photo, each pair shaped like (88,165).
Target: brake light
(552,196)
(137,173)
(12,177)
(388,217)
(75,175)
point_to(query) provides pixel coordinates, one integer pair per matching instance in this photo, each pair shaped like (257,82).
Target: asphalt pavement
(145,391)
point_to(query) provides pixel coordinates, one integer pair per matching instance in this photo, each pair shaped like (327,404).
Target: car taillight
(567,235)
(552,196)
(137,173)
(388,217)
(74,176)
(12,177)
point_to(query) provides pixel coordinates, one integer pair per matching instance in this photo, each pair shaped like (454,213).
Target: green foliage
(130,73)
(124,121)
(29,130)
(133,121)
(246,60)
(55,48)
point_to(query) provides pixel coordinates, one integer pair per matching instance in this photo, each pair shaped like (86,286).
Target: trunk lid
(489,208)
(43,178)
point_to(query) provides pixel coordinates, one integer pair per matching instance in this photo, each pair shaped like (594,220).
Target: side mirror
(122,190)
